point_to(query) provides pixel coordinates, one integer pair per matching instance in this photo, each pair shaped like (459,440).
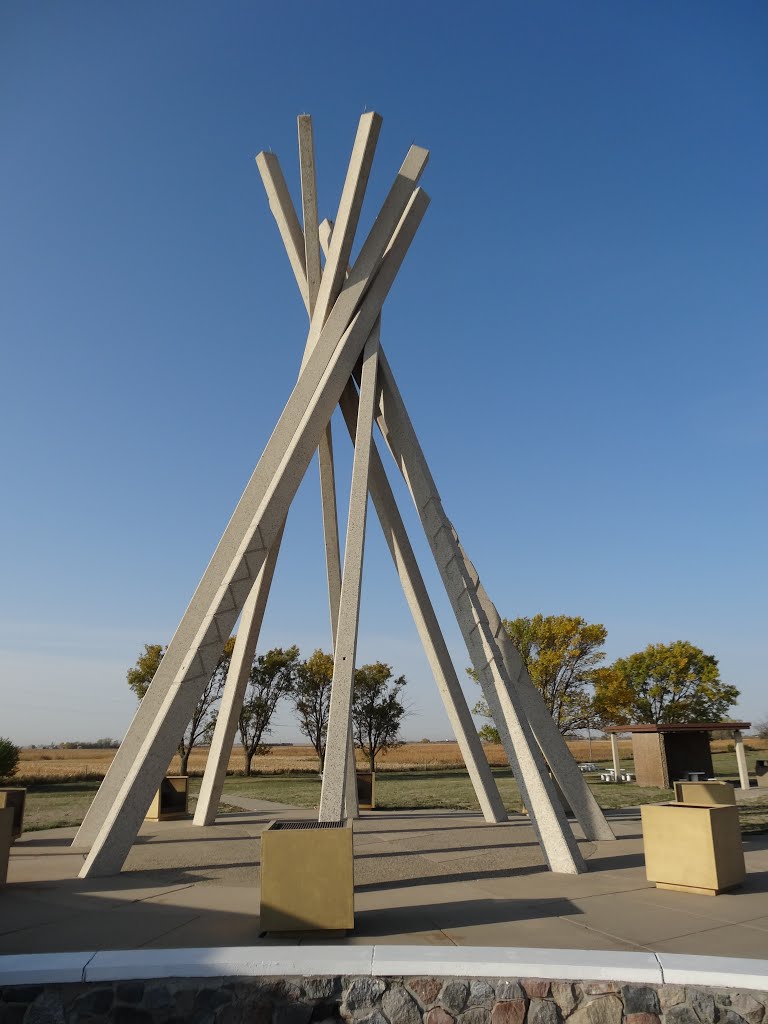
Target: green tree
(560,653)
(204,716)
(311,698)
(488,733)
(9,758)
(674,682)
(272,677)
(377,710)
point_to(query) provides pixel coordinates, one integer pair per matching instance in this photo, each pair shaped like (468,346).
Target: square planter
(693,849)
(307,876)
(366,790)
(761,771)
(705,794)
(171,800)
(16,799)
(6,838)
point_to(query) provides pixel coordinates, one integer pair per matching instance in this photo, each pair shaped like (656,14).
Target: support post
(578,797)
(741,759)
(325,451)
(435,648)
(616,758)
(337,748)
(553,832)
(233,695)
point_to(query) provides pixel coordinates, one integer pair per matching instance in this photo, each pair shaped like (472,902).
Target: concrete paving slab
(212,929)
(432,878)
(634,919)
(739,906)
(226,898)
(546,933)
(736,940)
(126,928)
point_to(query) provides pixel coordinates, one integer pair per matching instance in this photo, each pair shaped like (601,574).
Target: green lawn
(417,790)
(57,805)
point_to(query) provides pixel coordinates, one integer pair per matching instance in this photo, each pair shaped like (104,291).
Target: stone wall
(371,1000)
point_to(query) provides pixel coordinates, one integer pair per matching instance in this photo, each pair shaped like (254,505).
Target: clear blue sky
(579,329)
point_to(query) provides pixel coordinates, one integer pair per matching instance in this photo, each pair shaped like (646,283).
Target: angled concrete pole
(347,217)
(306,264)
(325,451)
(380,257)
(435,648)
(557,841)
(417,596)
(233,694)
(572,783)
(252,530)
(337,745)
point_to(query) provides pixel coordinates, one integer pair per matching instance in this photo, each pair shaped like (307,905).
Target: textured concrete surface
(336,765)
(420,878)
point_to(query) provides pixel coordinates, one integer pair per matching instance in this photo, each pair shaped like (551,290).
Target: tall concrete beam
(578,796)
(347,216)
(557,841)
(325,450)
(332,795)
(435,648)
(233,694)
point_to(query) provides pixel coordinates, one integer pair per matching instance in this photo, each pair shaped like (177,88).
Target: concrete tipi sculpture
(343,364)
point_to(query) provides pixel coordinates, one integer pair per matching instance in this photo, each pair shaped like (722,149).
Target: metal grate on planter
(280,826)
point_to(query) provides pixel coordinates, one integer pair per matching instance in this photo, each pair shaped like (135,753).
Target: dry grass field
(83,765)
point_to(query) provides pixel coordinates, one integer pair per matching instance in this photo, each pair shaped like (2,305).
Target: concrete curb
(385,961)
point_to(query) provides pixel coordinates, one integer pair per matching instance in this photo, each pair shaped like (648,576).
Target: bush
(9,758)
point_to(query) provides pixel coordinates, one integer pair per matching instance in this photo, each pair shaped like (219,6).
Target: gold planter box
(705,794)
(171,800)
(6,838)
(307,876)
(366,790)
(693,849)
(16,799)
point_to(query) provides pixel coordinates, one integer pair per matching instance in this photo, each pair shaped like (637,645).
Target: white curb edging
(516,962)
(714,971)
(43,968)
(385,961)
(229,961)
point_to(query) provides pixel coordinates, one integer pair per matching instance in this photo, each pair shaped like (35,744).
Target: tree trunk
(183,762)
(248,759)
(372,761)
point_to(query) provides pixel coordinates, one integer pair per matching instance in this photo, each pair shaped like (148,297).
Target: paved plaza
(423,877)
